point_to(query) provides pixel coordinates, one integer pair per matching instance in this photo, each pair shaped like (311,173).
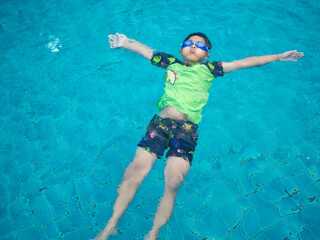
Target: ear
(207,56)
(180,52)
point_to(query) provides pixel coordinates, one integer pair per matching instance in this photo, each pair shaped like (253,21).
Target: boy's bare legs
(132,178)
(175,172)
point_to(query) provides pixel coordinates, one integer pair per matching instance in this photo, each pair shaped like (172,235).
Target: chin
(192,59)
(195,60)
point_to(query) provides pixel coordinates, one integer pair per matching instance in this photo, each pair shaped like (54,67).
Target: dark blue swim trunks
(178,136)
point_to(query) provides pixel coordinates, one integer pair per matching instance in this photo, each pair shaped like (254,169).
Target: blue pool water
(72,111)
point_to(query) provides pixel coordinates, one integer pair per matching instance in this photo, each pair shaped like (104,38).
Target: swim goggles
(200,45)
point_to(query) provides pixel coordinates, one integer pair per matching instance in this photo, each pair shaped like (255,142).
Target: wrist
(125,43)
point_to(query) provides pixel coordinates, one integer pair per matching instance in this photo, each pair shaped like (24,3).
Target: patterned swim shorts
(178,136)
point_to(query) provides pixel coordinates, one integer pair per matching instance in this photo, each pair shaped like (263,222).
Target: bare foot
(107,232)
(152,235)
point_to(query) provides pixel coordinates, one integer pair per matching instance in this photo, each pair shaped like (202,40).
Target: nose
(193,45)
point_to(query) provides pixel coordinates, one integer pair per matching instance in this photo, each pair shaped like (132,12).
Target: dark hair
(206,39)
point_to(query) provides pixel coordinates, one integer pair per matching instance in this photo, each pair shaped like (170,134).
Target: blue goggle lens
(200,45)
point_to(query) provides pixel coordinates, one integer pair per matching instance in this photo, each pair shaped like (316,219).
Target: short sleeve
(161,59)
(215,68)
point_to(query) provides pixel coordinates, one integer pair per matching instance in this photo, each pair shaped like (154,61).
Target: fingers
(111,36)
(116,40)
(300,54)
(112,40)
(292,55)
(120,35)
(111,43)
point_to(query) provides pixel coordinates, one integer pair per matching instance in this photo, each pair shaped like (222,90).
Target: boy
(175,127)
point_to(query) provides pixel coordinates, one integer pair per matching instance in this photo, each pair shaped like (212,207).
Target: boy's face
(193,54)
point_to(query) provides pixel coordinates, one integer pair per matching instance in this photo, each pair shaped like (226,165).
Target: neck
(190,63)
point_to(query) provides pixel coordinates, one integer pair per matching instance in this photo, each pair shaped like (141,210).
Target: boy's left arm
(261,60)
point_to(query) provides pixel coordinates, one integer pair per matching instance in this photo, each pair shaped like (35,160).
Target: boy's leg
(132,178)
(176,170)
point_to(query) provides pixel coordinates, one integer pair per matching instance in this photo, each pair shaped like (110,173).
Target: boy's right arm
(121,41)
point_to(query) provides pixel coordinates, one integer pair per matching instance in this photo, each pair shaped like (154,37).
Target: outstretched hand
(291,56)
(117,41)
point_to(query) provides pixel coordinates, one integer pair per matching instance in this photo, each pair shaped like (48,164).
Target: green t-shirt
(186,87)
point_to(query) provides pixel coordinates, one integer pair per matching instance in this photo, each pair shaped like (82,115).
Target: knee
(135,173)
(131,180)
(175,172)
(141,165)
(173,181)
(173,185)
